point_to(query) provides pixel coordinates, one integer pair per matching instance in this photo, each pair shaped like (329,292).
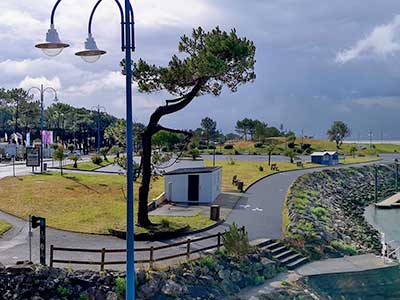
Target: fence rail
(152,258)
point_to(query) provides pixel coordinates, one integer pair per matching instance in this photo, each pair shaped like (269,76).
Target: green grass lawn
(80,202)
(87,166)
(362,159)
(247,147)
(249,172)
(4,227)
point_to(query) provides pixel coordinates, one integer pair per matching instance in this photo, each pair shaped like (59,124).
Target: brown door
(193,188)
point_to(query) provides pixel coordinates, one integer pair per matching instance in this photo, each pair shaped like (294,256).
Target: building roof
(324,153)
(193,170)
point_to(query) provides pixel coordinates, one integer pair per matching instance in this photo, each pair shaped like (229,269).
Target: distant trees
(255,130)
(338,132)
(209,127)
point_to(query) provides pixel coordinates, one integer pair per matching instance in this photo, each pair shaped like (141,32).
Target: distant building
(328,158)
(193,185)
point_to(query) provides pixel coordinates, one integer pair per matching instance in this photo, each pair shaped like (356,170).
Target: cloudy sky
(317,61)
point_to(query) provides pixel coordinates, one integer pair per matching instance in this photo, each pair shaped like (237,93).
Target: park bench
(274,167)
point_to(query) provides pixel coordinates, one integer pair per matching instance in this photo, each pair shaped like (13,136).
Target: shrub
(207,261)
(261,168)
(319,212)
(236,242)
(202,147)
(71,147)
(228,147)
(115,150)
(231,161)
(120,287)
(212,147)
(343,248)
(165,223)
(258,145)
(236,152)
(96,159)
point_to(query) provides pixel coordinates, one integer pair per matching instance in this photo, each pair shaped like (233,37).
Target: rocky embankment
(326,211)
(211,277)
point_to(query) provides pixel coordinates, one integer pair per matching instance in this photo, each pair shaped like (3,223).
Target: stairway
(286,256)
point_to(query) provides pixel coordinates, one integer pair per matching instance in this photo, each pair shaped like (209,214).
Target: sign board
(32,157)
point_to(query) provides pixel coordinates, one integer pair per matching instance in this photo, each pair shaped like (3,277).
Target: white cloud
(385,102)
(29,82)
(383,40)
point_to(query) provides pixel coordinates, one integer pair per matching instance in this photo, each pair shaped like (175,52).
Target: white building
(193,185)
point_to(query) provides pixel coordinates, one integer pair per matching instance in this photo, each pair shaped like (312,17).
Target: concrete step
(295,264)
(279,250)
(273,245)
(261,242)
(284,254)
(291,258)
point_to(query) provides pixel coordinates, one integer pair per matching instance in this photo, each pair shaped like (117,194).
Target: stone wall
(210,277)
(326,211)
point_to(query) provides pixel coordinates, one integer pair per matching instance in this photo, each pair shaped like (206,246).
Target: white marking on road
(245,206)
(257,209)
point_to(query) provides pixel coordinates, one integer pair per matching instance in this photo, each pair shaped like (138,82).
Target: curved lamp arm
(123,46)
(53,12)
(33,88)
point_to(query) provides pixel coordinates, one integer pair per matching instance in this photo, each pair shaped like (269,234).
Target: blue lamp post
(42,91)
(52,47)
(99,109)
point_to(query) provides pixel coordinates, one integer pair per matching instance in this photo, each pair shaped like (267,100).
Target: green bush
(104,152)
(228,147)
(207,261)
(261,168)
(165,223)
(236,242)
(343,248)
(258,145)
(96,159)
(319,212)
(194,153)
(120,287)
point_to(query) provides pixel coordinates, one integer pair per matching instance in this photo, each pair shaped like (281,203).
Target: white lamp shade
(91,54)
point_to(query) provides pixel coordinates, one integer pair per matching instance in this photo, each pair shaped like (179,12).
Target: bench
(274,167)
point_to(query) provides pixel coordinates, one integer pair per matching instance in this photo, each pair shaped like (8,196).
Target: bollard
(214,213)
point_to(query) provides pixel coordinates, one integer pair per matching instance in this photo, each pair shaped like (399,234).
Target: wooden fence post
(151,257)
(188,249)
(51,255)
(219,241)
(103,258)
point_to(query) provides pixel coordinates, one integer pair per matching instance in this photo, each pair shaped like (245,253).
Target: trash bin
(45,167)
(214,212)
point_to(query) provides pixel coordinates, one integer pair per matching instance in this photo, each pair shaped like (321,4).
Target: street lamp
(42,91)
(99,110)
(54,46)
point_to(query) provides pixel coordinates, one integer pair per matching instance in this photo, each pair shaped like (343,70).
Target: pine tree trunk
(143,215)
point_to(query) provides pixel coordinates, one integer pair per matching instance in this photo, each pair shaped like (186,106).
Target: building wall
(209,187)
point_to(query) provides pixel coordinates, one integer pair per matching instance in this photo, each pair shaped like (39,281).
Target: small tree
(270,149)
(209,61)
(96,159)
(115,150)
(195,153)
(75,159)
(104,152)
(353,151)
(71,148)
(338,132)
(236,242)
(59,156)
(291,154)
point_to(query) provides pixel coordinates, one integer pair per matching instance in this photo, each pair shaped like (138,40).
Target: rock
(174,289)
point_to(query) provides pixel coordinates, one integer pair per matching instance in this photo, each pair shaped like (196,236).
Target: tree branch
(175,100)
(187,133)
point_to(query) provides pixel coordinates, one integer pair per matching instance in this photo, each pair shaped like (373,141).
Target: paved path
(259,210)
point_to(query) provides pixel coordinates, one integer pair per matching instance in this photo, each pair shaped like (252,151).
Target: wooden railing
(152,251)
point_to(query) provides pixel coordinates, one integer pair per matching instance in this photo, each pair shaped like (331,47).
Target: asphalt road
(259,210)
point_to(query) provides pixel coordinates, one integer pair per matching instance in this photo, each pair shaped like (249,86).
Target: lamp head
(53,45)
(91,54)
